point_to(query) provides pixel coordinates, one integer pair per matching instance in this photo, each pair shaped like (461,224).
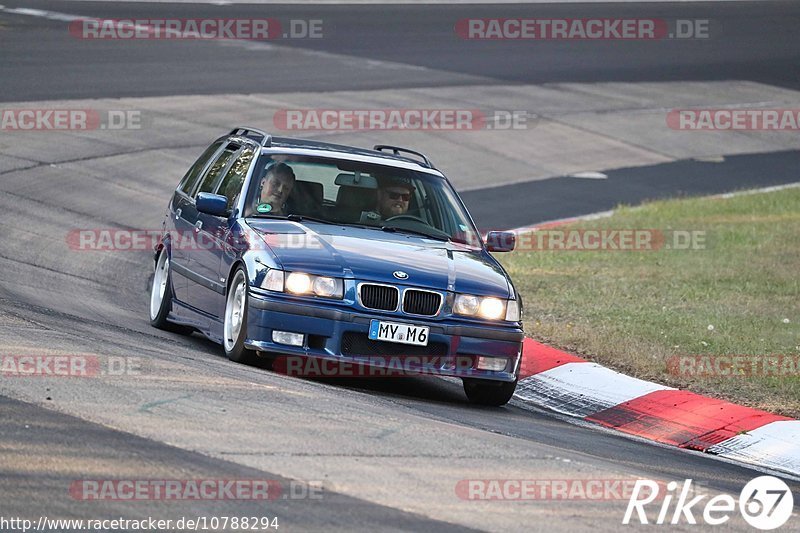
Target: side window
(231,184)
(189,181)
(212,176)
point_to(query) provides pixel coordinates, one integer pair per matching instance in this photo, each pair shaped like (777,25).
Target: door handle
(198,226)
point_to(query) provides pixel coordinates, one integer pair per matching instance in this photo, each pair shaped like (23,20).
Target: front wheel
(235,325)
(488,392)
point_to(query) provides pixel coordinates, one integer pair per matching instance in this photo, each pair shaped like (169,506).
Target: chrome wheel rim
(159,285)
(234,312)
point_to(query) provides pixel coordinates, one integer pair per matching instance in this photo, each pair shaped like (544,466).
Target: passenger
(276,186)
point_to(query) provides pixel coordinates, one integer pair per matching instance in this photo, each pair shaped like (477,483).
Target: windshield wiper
(303,218)
(392,229)
(265,215)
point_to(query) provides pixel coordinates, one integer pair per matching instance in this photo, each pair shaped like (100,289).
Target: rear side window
(231,184)
(190,179)
(217,168)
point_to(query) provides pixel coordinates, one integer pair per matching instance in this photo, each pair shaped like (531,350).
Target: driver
(394,195)
(276,185)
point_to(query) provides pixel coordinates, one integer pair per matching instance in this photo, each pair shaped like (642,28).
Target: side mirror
(501,241)
(212,204)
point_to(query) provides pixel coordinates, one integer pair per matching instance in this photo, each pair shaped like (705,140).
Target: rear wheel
(488,392)
(235,322)
(161,297)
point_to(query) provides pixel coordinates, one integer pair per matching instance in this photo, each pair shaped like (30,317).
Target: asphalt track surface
(749,41)
(533,200)
(191,414)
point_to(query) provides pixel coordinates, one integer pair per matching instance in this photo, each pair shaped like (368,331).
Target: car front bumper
(337,335)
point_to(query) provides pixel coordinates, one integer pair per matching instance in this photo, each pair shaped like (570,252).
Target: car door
(226,247)
(206,290)
(179,227)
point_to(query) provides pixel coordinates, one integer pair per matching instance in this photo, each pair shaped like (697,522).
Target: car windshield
(352,193)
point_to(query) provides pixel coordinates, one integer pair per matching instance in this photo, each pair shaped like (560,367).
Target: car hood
(373,255)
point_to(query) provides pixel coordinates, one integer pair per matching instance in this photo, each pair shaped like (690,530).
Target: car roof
(290,145)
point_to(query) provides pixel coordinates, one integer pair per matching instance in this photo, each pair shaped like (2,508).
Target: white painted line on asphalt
(261,46)
(748,192)
(589,175)
(710,159)
(606,214)
(591,216)
(52,15)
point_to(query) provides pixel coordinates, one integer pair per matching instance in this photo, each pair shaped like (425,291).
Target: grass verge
(719,318)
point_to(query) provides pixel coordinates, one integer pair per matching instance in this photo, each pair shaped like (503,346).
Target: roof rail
(397,149)
(262,138)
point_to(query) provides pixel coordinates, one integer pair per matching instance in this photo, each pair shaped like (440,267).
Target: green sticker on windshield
(264,208)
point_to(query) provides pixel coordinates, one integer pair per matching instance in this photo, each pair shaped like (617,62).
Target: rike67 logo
(765,503)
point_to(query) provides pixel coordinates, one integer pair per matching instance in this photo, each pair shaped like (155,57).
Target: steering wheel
(406,217)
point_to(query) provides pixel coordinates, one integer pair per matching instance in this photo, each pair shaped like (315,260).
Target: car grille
(423,303)
(359,344)
(382,297)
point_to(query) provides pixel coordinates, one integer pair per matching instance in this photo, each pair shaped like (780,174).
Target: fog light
(286,337)
(495,364)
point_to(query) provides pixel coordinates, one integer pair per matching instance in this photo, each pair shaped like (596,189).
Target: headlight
(492,308)
(486,307)
(326,287)
(466,304)
(303,284)
(298,283)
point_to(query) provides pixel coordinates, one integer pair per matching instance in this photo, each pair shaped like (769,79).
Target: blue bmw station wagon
(302,248)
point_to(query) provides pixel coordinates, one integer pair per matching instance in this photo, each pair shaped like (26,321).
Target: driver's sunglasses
(400,196)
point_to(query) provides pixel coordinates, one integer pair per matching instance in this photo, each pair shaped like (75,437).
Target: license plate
(401,333)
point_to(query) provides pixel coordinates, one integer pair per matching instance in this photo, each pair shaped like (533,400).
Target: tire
(161,297)
(488,392)
(234,330)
